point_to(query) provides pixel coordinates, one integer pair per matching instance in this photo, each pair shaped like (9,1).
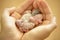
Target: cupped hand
(9,30)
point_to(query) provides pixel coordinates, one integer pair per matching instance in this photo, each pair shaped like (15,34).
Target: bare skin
(23,23)
(29,20)
(37,19)
(10,32)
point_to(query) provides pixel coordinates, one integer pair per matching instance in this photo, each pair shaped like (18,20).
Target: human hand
(9,30)
(43,31)
(38,33)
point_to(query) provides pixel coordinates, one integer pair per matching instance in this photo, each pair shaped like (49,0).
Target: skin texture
(10,32)
(37,19)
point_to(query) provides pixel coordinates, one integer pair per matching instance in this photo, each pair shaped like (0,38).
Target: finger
(16,15)
(44,8)
(39,6)
(8,11)
(52,25)
(25,6)
(30,8)
(35,4)
(12,10)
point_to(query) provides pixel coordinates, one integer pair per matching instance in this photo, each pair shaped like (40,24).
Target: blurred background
(54,5)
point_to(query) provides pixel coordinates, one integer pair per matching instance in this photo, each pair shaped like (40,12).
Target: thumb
(8,11)
(52,25)
(40,32)
(9,30)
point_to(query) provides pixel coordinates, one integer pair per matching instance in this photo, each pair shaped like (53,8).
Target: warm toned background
(54,4)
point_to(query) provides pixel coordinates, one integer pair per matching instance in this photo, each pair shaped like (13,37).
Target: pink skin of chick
(37,19)
(26,26)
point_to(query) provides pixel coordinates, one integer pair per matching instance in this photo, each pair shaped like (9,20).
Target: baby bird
(23,24)
(29,20)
